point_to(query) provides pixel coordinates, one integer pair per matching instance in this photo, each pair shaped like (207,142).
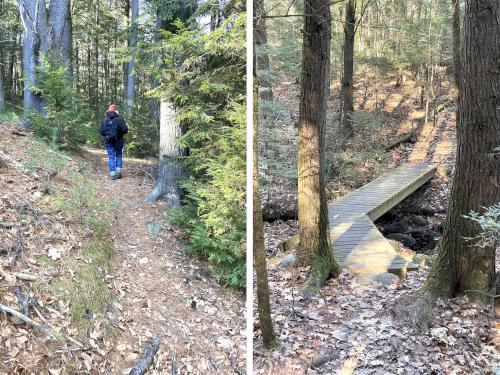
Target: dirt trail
(156,285)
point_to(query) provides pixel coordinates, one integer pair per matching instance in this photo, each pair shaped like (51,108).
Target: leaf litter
(152,282)
(350,327)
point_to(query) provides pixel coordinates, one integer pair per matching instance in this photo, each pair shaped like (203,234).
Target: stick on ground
(142,366)
(25,319)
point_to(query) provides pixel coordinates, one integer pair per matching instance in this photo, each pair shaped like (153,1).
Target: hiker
(113,127)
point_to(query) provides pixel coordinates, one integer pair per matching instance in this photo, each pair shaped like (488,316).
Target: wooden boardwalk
(356,241)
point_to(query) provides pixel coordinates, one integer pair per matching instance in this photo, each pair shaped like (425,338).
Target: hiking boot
(119,175)
(114,177)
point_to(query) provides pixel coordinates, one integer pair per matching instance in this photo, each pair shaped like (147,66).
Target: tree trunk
(125,65)
(348,76)
(10,84)
(315,246)
(259,253)
(2,88)
(96,96)
(43,36)
(455,11)
(60,30)
(461,266)
(260,37)
(33,16)
(134,7)
(169,166)
(214,15)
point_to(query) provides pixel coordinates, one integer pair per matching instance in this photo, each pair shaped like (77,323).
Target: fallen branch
(66,337)
(29,321)
(19,246)
(62,156)
(7,224)
(25,276)
(70,350)
(146,360)
(26,303)
(16,132)
(409,137)
(174,365)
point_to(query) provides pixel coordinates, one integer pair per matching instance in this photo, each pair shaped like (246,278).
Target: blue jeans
(115,155)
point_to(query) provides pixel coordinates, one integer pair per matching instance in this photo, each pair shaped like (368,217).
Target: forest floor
(352,327)
(106,269)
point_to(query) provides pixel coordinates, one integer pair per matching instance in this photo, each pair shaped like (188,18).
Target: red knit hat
(113,107)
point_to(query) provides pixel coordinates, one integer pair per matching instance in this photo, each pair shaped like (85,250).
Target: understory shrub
(208,90)
(489,222)
(66,122)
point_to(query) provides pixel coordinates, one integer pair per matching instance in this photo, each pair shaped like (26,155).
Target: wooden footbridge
(356,241)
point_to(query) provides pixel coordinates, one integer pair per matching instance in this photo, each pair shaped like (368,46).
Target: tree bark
(10,86)
(125,65)
(348,76)
(260,37)
(33,16)
(315,246)
(455,12)
(2,88)
(214,15)
(130,98)
(60,30)
(259,253)
(95,97)
(169,166)
(42,37)
(461,266)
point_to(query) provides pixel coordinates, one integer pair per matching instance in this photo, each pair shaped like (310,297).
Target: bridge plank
(356,241)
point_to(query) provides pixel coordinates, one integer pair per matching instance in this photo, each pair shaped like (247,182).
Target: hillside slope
(104,271)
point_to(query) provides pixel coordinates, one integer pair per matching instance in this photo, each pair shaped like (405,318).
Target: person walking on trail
(113,127)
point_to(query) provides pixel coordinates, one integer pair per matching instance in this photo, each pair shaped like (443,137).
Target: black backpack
(111,130)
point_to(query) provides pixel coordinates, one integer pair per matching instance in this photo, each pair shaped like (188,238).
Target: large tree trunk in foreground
(461,266)
(260,36)
(348,76)
(259,253)
(315,246)
(169,165)
(134,13)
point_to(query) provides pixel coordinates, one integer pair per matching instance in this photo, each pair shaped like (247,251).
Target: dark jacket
(121,125)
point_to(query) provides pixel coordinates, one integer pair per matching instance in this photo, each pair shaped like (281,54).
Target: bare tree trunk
(169,165)
(260,37)
(2,64)
(60,30)
(460,266)
(455,11)
(315,246)
(348,76)
(130,98)
(96,96)
(215,16)
(43,36)
(11,89)
(33,17)
(125,65)
(2,87)
(259,253)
